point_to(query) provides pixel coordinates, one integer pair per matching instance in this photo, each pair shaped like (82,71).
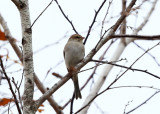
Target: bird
(74,52)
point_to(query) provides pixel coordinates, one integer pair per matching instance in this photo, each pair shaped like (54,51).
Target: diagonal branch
(41,14)
(116,55)
(152,56)
(94,97)
(87,58)
(146,18)
(94,20)
(143,102)
(66,17)
(10,86)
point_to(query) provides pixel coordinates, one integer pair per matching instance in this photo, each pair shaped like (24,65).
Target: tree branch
(130,68)
(66,17)
(116,55)
(41,14)
(153,57)
(86,59)
(10,86)
(27,61)
(94,20)
(40,86)
(138,37)
(143,102)
(94,97)
(110,2)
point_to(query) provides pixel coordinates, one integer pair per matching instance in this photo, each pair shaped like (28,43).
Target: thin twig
(41,13)
(143,102)
(110,2)
(129,68)
(72,101)
(116,79)
(18,89)
(99,108)
(66,17)
(10,86)
(94,20)
(133,86)
(146,19)
(153,57)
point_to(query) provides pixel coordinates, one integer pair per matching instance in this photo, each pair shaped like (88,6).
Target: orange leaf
(5,101)
(40,110)
(2,36)
(42,105)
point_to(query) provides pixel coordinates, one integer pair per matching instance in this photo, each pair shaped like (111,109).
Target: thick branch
(28,104)
(87,58)
(10,38)
(138,37)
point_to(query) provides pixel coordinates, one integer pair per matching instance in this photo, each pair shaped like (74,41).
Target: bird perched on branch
(73,54)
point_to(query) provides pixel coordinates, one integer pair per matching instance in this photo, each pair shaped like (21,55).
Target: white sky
(52,26)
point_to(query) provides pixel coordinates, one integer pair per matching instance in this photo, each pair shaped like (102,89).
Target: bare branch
(110,2)
(18,90)
(71,106)
(66,17)
(115,56)
(130,68)
(19,54)
(153,57)
(10,37)
(143,102)
(107,68)
(86,60)
(95,68)
(41,13)
(133,86)
(89,102)
(138,37)
(123,26)
(94,20)
(146,18)
(10,86)
(18,3)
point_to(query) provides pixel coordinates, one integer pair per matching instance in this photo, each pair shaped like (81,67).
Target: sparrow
(74,52)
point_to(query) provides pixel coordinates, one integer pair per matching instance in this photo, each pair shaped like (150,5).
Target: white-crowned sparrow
(73,54)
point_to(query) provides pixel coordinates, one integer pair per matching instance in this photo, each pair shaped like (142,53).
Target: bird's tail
(77,91)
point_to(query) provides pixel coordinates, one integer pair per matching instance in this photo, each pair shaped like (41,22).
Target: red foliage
(2,36)
(5,101)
